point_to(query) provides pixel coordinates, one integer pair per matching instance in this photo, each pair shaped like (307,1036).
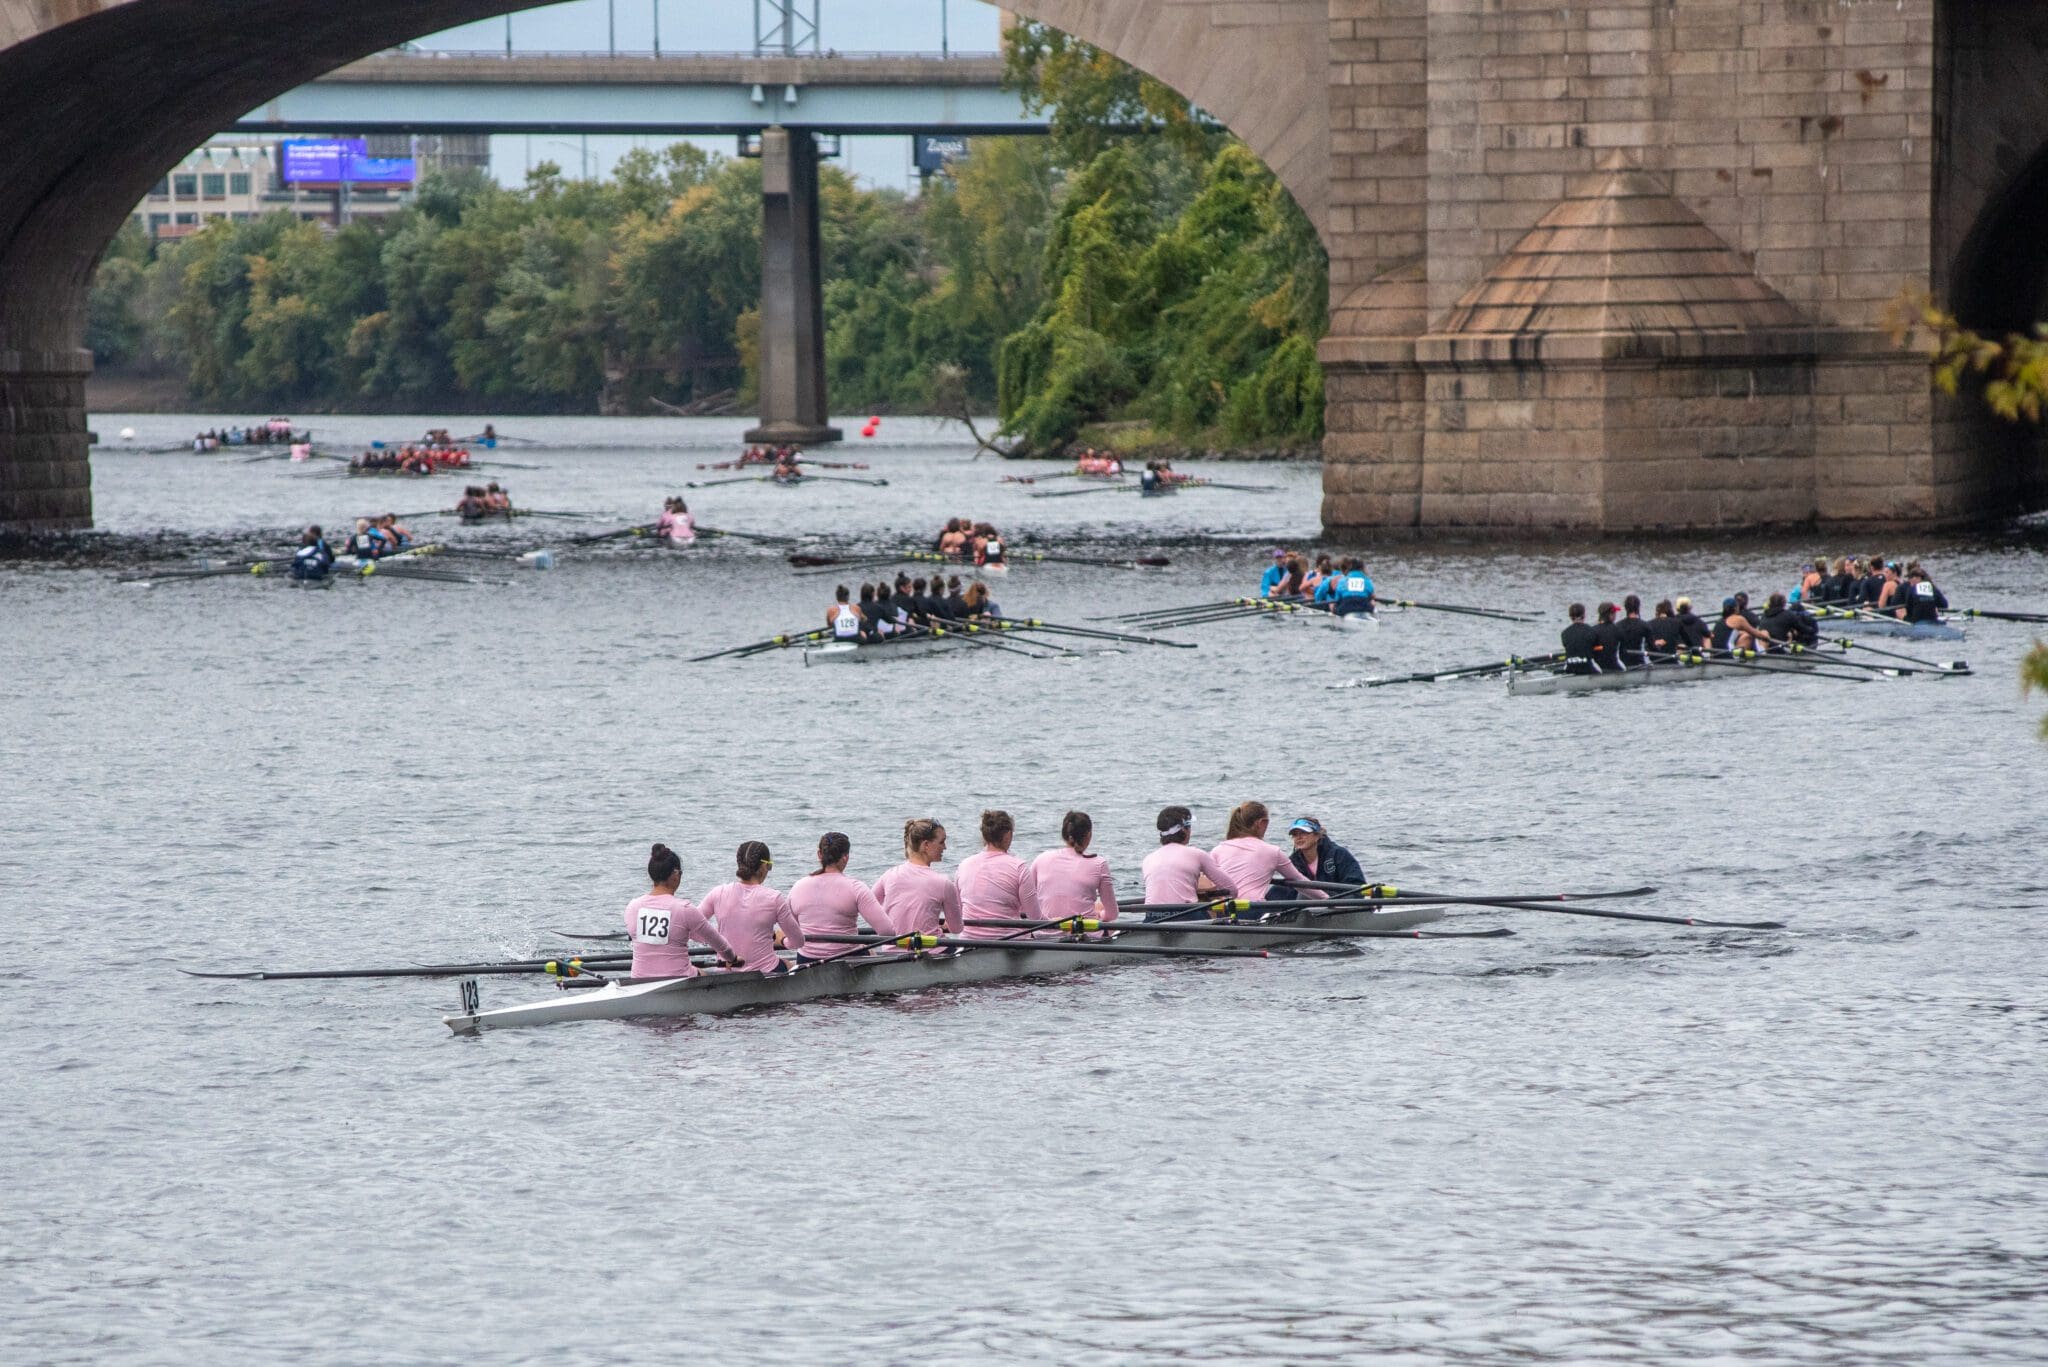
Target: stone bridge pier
(1610,266)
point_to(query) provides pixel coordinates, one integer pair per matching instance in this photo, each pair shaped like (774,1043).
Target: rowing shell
(713,994)
(1892,626)
(866,652)
(1544,682)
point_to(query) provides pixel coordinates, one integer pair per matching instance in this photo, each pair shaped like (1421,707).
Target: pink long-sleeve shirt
(661,927)
(996,885)
(678,528)
(1171,873)
(1248,865)
(918,900)
(1070,884)
(747,915)
(833,904)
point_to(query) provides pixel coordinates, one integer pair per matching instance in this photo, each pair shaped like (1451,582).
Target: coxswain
(313,558)
(1070,881)
(994,884)
(1249,864)
(1924,601)
(675,525)
(827,902)
(661,924)
(1275,572)
(1580,643)
(1633,634)
(749,913)
(1319,858)
(365,544)
(1351,591)
(1607,640)
(1693,632)
(916,898)
(1175,873)
(842,617)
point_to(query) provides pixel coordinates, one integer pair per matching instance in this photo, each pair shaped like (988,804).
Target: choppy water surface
(1594,1140)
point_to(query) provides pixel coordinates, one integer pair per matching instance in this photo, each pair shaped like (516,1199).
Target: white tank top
(845,621)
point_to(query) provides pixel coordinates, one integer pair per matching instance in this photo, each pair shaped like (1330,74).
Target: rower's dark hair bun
(832,847)
(1075,827)
(752,858)
(662,864)
(995,825)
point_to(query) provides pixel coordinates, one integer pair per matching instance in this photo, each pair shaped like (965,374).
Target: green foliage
(1140,264)
(2013,371)
(2034,674)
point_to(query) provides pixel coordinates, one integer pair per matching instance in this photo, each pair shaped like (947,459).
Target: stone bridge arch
(104,95)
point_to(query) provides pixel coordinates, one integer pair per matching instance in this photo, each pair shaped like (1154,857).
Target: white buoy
(127,434)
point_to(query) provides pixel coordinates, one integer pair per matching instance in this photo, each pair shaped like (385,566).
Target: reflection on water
(1595,1139)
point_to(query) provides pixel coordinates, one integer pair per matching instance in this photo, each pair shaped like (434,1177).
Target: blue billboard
(331,161)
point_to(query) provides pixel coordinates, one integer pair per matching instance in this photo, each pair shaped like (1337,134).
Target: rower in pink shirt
(1173,873)
(995,884)
(1247,861)
(675,525)
(828,902)
(1071,881)
(661,924)
(748,913)
(916,898)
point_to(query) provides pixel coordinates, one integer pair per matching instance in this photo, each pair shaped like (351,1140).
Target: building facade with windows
(239,178)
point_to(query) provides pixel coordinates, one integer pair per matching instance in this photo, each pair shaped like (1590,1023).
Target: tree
(2014,368)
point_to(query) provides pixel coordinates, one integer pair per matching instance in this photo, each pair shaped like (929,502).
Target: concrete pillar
(45,479)
(792,294)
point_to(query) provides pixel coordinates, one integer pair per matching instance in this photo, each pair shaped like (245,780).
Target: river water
(1594,1140)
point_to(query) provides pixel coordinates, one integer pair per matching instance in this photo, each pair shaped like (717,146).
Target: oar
(773,642)
(560,968)
(1466,611)
(1227,928)
(535,512)
(2002,616)
(1170,612)
(1513,662)
(1887,670)
(211,572)
(834,464)
(1091,633)
(748,536)
(1079,946)
(1555,902)
(1129,562)
(1199,483)
(1386,892)
(644,529)
(1851,643)
(1077,493)
(736,479)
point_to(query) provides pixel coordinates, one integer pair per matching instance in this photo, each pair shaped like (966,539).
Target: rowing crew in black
(1621,639)
(910,605)
(1876,585)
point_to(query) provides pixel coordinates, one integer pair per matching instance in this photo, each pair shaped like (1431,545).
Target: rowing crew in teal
(1343,588)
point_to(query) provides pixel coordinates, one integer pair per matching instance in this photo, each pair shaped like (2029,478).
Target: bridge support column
(792,294)
(45,479)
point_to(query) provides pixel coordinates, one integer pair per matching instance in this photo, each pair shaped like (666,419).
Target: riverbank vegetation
(1138,268)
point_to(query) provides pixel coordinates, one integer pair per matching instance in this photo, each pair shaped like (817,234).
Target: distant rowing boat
(1546,682)
(873,975)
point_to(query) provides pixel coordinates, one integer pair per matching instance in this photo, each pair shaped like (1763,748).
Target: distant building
(239,177)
